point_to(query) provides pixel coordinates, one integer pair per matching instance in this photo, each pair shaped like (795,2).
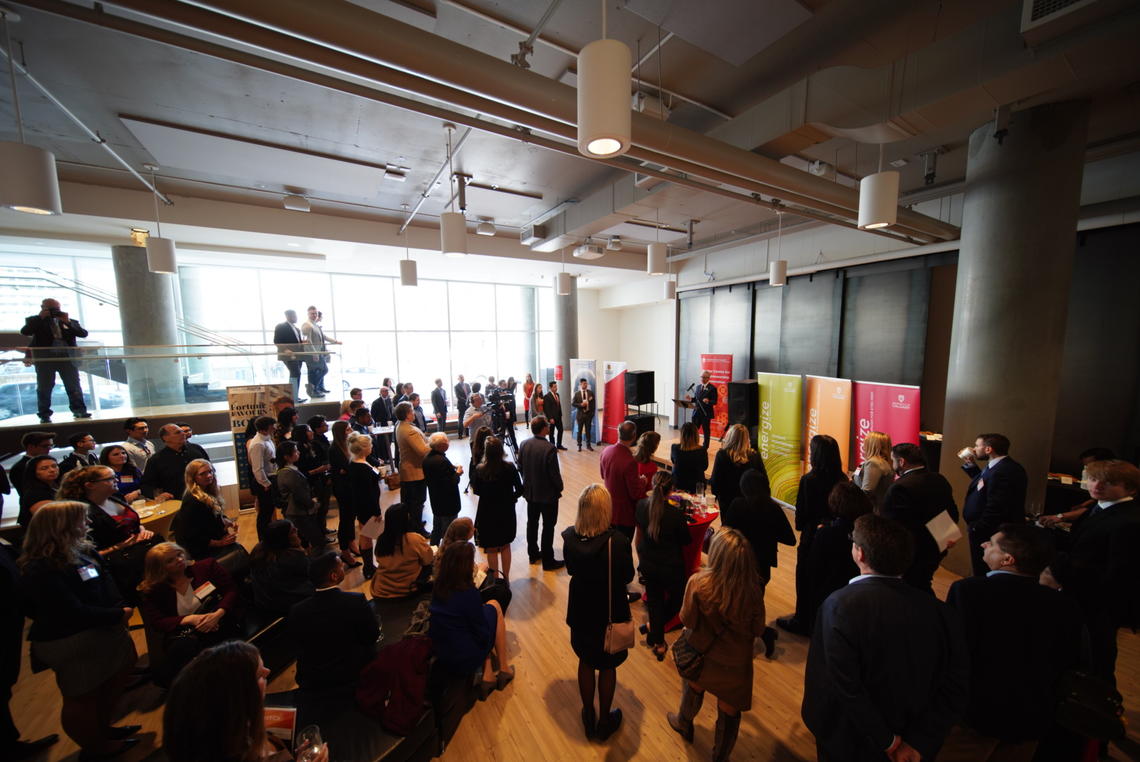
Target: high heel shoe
(769,637)
(504,677)
(659,651)
(643,629)
(589,721)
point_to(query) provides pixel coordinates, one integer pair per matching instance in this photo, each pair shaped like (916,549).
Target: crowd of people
(891,672)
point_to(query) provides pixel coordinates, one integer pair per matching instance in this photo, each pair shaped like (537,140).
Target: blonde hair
(57,533)
(877,445)
(344,406)
(355,443)
(731,585)
(75,481)
(737,444)
(154,566)
(595,511)
(197,491)
(647,444)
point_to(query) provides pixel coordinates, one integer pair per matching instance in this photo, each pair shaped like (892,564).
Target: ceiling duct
(1044,20)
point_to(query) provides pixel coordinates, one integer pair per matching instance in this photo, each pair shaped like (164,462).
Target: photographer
(53,335)
(501,406)
(477,415)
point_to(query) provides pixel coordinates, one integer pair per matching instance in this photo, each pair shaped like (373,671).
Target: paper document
(373,528)
(944,530)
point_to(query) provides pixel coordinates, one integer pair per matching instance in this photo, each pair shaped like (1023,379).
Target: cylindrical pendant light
(29,182)
(453,234)
(160,255)
(604,99)
(562,284)
(778,273)
(408,275)
(655,261)
(670,289)
(878,200)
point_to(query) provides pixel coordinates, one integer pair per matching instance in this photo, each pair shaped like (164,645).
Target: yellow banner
(781,429)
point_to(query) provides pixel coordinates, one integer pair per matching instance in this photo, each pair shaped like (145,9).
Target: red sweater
(159,608)
(621,477)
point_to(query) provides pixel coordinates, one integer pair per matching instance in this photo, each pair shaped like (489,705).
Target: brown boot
(727,728)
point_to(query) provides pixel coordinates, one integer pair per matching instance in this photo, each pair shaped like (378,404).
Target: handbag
(619,635)
(688,659)
(392,481)
(1089,706)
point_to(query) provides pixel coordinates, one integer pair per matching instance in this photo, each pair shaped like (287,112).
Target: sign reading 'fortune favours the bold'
(781,427)
(828,412)
(720,373)
(245,404)
(889,408)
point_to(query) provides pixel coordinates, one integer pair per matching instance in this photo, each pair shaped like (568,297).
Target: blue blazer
(996,495)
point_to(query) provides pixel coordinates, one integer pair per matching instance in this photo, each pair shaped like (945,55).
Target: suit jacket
(40,331)
(552,407)
(335,632)
(382,411)
(704,410)
(1102,565)
(1023,634)
(439,401)
(462,392)
(294,490)
(286,339)
(996,495)
(77,460)
(884,659)
(442,484)
(413,449)
(584,413)
(619,472)
(916,498)
(11,616)
(541,474)
(313,337)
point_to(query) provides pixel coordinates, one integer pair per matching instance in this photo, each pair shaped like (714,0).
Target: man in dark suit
(442,485)
(439,405)
(462,392)
(1101,568)
(1020,634)
(290,343)
(419,419)
(383,414)
(996,494)
(53,335)
(584,404)
(335,632)
(165,473)
(552,409)
(542,488)
(914,499)
(886,671)
(704,398)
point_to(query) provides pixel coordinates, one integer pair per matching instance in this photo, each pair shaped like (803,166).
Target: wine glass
(310,747)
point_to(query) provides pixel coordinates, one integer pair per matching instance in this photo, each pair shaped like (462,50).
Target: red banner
(891,409)
(720,371)
(613,412)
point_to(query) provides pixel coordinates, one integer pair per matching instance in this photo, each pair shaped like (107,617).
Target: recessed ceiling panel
(247,164)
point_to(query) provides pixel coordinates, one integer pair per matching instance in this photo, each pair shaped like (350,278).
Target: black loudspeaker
(744,405)
(639,387)
(643,421)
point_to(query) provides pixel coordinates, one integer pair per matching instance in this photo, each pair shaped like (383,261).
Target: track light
(295,203)
(485,227)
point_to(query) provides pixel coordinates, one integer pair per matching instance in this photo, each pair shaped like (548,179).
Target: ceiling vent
(532,234)
(1044,20)
(589,251)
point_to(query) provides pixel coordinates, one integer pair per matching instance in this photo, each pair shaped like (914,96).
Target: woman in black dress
(363,493)
(690,459)
(128,478)
(829,565)
(811,511)
(338,475)
(734,457)
(496,481)
(664,533)
(478,442)
(279,569)
(588,547)
(41,482)
(201,525)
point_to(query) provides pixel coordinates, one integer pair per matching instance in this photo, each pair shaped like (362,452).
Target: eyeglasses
(104,479)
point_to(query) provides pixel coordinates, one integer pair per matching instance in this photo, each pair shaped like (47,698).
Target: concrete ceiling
(827,80)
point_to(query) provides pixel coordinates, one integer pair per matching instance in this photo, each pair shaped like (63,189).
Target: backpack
(393,687)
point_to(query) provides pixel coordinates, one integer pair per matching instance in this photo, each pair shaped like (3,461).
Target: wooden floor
(536,717)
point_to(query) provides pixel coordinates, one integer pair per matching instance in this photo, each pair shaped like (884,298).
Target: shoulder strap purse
(619,635)
(688,659)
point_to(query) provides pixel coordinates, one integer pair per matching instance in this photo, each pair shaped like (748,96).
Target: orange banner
(828,412)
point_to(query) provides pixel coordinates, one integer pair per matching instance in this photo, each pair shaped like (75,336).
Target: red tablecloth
(692,551)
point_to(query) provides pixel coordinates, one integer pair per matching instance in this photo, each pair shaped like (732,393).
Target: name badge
(204,591)
(981,484)
(89,572)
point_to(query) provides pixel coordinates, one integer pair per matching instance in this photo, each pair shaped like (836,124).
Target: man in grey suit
(542,488)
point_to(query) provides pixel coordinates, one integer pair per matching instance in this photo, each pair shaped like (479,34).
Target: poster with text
(245,404)
(828,412)
(584,369)
(781,432)
(613,401)
(720,373)
(889,408)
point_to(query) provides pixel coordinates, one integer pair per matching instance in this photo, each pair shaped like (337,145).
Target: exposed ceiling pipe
(434,180)
(197,45)
(345,27)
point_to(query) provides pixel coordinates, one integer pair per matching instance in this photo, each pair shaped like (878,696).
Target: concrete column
(147,311)
(1019,226)
(566,345)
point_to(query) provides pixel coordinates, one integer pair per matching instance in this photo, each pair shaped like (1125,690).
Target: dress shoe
(45,419)
(123,731)
(591,449)
(769,637)
(792,625)
(553,565)
(607,726)
(29,749)
(81,416)
(535,559)
(634,597)
(579,447)
(124,746)
(560,447)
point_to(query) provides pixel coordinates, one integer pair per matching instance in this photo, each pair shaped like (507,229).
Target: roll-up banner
(587,369)
(245,404)
(889,408)
(613,413)
(720,373)
(781,431)
(828,412)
